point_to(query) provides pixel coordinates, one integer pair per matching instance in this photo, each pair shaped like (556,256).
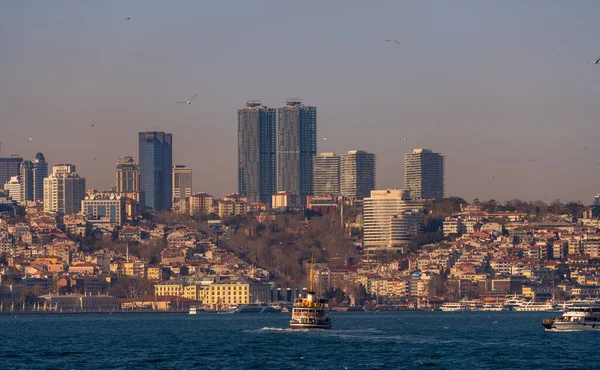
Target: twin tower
(276,149)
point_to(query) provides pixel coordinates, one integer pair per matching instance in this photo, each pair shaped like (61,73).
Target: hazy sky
(490,84)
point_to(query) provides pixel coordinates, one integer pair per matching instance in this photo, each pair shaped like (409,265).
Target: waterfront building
(128,177)
(256,152)
(390,219)
(286,199)
(26,181)
(14,189)
(156,163)
(190,287)
(9,167)
(104,208)
(296,147)
(357,174)
(326,174)
(182,182)
(236,290)
(63,190)
(40,172)
(424,174)
(79,302)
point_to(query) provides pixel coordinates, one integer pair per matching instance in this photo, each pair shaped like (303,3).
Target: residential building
(256,152)
(326,174)
(128,177)
(198,204)
(424,174)
(182,182)
(14,189)
(285,199)
(296,147)
(390,219)
(40,172)
(9,167)
(357,174)
(156,163)
(104,208)
(63,190)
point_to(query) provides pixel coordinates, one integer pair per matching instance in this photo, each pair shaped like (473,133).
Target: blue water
(391,340)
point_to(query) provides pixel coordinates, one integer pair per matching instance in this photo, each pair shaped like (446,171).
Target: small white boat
(193,310)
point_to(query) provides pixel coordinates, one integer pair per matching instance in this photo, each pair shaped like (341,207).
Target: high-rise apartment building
(357,174)
(256,152)
(424,174)
(14,189)
(64,190)
(40,172)
(296,147)
(9,167)
(156,175)
(326,174)
(128,177)
(390,219)
(26,181)
(182,182)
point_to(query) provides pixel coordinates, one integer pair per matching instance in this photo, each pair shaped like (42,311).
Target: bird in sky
(597,61)
(404,138)
(127,18)
(533,160)
(189,101)
(325,138)
(394,41)
(95,159)
(30,138)
(93,124)
(585,148)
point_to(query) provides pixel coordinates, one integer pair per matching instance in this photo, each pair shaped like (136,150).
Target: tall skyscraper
(128,177)
(64,190)
(156,163)
(424,174)
(296,147)
(390,219)
(326,174)
(40,172)
(256,152)
(357,174)
(9,167)
(27,181)
(182,182)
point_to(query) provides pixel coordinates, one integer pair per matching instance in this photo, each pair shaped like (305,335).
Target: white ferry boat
(463,305)
(256,308)
(535,306)
(311,312)
(579,317)
(453,307)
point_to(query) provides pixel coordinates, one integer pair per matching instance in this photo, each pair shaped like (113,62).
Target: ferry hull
(310,326)
(571,326)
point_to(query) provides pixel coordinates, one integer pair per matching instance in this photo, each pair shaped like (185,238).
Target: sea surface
(357,340)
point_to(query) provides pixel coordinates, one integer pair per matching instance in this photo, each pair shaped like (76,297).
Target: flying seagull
(93,124)
(533,160)
(394,41)
(127,18)
(189,101)
(597,61)
(325,138)
(404,138)
(30,138)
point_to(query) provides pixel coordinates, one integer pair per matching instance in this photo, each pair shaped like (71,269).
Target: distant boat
(193,310)
(256,308)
